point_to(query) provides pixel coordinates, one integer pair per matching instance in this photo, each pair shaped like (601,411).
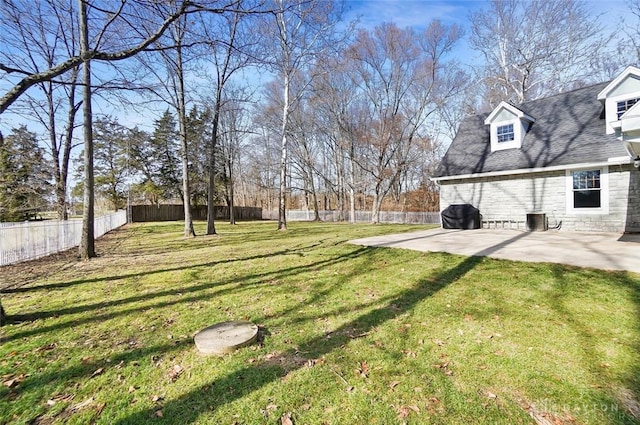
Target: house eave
(611,161)
(630,70)
(520,114)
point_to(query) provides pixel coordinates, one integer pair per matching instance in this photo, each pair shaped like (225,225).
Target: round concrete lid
(225,337)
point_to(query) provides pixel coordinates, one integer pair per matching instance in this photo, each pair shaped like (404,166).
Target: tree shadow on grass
(240,383)
(199,292)
(62,285)
(622,404)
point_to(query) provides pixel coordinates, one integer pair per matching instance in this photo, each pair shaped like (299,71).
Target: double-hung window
(587,191)
(505,133)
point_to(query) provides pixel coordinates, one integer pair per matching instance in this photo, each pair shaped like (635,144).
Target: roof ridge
(590,86)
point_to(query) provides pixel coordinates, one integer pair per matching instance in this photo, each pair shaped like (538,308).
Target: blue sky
(417,13)
(405,13)
(410,13)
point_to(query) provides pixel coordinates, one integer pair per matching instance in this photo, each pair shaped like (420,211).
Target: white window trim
(611,110)
(604,192)
(516,143)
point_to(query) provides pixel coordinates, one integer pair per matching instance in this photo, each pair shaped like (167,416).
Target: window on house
(625,105)
(505,133)
(586,189)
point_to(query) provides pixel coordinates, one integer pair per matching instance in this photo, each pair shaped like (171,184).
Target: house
(571,160)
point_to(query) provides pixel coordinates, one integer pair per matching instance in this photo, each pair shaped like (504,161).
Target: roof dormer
(619,96)
(630,130)
(508,125)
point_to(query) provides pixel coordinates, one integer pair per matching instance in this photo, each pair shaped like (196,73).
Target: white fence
(35,239)
(361,216)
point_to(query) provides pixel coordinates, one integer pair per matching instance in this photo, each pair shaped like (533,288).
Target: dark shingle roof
(569,129)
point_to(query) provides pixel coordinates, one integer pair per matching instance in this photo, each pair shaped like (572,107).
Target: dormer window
(507,125)
(625,105)
(505,133)
(618,97)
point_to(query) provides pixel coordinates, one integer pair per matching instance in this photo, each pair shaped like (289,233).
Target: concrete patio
(605,251)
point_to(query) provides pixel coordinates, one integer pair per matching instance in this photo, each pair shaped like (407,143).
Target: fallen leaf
(156,398)
(489,394)
(46,347)
(393,385)
(100,408)
(82,404)
(132,389)
(14,380)
(286,419)
(362,369)
(158,413)
(403,412)
(349,389)
(175,372)
(97,372)
(271,407)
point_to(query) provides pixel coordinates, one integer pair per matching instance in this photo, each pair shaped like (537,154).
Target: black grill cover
(460,216)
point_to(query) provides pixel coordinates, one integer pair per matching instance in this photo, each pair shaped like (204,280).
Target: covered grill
(460,216)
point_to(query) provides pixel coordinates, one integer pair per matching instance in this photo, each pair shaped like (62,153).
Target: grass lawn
(350,335)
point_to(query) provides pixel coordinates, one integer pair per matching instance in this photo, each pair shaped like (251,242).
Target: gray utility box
(537,222)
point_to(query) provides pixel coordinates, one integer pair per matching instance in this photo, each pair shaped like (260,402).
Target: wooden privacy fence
(361,216)
(144,213)
(35,239)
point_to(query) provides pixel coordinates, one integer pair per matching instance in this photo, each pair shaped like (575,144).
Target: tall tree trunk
(61,179)
(282,212)
(211,211)
(232,215)
(87,242)
(352,186)
(375,209)
(340,175)
(182,118)
(314,197)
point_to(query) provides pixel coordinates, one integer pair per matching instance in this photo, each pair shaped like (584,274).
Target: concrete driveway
(605,251)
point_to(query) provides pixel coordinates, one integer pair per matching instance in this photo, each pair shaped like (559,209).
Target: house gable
(619,96)
(507,127)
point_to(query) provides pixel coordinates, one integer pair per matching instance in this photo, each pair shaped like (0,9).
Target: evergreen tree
(156,159)
(198,137)
(110,161)
(24,175)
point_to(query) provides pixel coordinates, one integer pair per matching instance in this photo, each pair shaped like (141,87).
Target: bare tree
(132,18)
(403,80)
(231,45)
(302,32)
(87,240)
(38,35)
(535,48)
(336,102)
(632,31)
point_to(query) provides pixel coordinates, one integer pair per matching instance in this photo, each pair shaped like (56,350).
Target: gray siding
(512,197)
